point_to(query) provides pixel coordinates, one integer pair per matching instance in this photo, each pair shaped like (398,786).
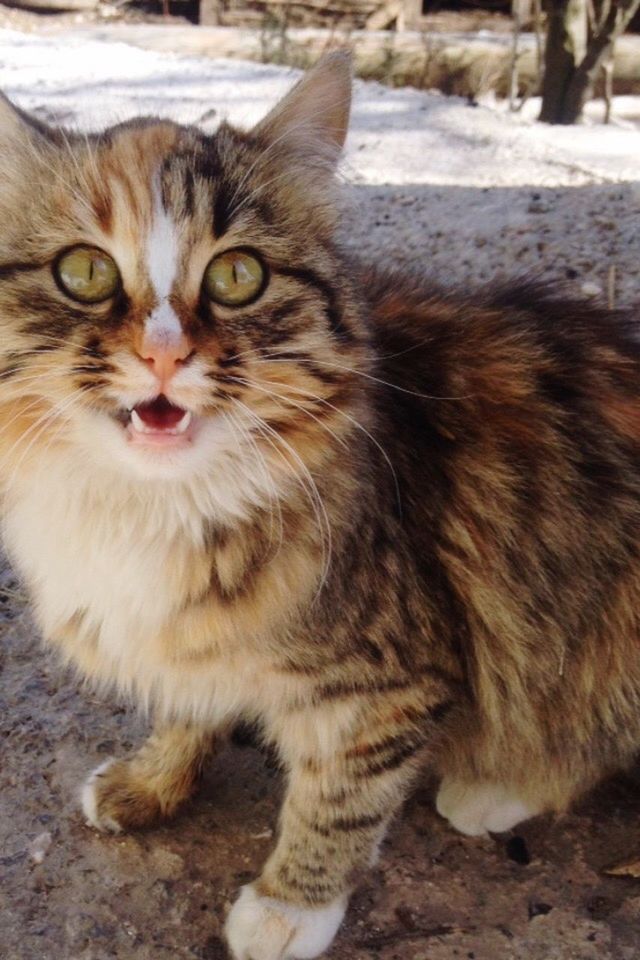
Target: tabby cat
(246,477)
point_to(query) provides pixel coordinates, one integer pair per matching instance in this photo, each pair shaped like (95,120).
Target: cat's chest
(123,586)
(117,561)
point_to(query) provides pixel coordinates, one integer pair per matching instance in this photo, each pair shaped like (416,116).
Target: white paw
(90,803)
(259,928)
(480,808)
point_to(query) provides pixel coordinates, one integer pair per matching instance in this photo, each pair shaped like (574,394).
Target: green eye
(234,278)
(87,274)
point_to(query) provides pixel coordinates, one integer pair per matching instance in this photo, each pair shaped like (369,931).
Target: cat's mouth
(158,423)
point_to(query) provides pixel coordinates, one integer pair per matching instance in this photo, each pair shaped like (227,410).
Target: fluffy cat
(246,477)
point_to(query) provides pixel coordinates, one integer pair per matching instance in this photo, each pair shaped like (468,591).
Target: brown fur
(461,585)
(155,781)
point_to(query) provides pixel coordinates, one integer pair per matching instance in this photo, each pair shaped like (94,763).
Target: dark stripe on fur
(9,270)
(313,891)
(93,368)
(87,385)
(341,690)
(347,824)
(189,192)
(394,760)
(93,348)
(310,278)
(223,208)
(308,364)
(10,370)
(381,746)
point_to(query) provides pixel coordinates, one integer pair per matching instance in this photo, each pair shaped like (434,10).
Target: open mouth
(159,423)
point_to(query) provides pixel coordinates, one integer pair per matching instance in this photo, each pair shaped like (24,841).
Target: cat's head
(169,298)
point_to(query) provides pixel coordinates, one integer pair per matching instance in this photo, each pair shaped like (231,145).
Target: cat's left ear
(314,116)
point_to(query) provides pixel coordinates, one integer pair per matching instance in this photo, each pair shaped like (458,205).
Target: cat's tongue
(160,416)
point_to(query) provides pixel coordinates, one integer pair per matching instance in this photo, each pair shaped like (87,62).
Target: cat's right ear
(313,118)
(16,125)
(11,123)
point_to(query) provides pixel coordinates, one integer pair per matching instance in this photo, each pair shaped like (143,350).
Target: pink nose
(165,358)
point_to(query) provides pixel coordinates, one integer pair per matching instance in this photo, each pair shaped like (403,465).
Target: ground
(538,893)
(469,194)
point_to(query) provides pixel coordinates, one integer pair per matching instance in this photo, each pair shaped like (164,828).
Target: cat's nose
(165,356)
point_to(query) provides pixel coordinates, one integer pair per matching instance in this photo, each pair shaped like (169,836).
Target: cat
(247,477)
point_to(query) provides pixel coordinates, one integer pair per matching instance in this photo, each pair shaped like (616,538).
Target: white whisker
(298,406)
(308,484)
(358,425)
(274,499)
(39,426)
(361,373)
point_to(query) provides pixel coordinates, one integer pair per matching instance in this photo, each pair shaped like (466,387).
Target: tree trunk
(565,50)
(517,10)
(608,89)
(572,65)
(600,50)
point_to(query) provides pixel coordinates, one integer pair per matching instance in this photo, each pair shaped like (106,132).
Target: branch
(618,19)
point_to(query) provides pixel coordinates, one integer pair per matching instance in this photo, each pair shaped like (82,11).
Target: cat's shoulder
(407,309)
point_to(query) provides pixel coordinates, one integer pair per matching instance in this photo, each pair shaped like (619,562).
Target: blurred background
(547,59)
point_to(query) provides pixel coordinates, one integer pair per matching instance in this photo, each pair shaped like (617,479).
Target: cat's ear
(11,123)
(16,125)
(314,115)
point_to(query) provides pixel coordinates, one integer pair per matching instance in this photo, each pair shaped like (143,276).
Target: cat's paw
(259,928)
(113,800)
(480,808)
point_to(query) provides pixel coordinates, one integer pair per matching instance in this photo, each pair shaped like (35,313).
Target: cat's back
(513,422)
(517,363)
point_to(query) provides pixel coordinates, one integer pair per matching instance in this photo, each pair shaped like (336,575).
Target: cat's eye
(87,274)
(234,278)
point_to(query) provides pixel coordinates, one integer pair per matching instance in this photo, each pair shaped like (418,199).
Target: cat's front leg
(338,804)
(149,785)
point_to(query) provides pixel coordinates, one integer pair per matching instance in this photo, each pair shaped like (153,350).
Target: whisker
(42,423)
(260,355)
(359,426)
(322,342)
(274,499)
(12,379)
(361,373)
(20,413)
(311,489)
(293,403)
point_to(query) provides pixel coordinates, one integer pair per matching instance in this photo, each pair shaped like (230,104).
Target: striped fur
(407,532)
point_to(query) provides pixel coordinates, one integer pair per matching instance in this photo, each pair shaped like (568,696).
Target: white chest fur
(83,546)
(119,559)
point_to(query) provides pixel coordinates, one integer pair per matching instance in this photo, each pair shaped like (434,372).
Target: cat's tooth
(138,422)
(182,425)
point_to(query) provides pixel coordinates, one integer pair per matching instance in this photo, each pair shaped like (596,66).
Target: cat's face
(168,299)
